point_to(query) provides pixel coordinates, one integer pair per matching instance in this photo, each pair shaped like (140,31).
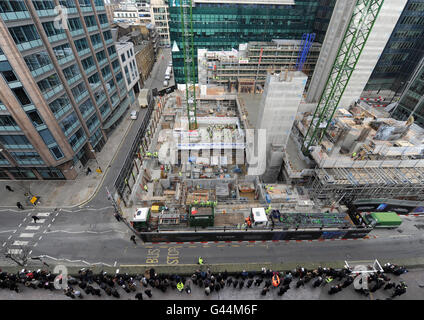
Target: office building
(223,25)
(62,90)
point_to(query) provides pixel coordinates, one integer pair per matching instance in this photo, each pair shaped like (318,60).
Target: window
(23,34)
(43,4)
(69,123)
(81,44)
(27,158)
(119,76)
(129,54)
(51,173)
(87,63)
(38,60)
(79,90)
(67,3)
(7,123)
(86,107)
(51,30)
(115,64)
(107,35)
(95,39)
(60,106)
(49,83)
(90,21)
(111,50)
(47,137)
(100,56)
(63,51)
(94,80)
(77,139)
(102,18)
(74,24)
(123,57)
(106,72)
(12,6)
(9,76)
(21,96)
(71,72)
(57,153)
(104,109)
(22,174)
(35,118)
(92,123)
(15,142)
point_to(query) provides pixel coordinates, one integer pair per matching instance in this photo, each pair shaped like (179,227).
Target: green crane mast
(361,23)
(189,67)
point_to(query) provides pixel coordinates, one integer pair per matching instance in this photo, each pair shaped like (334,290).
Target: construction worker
(180,174)
(275,280)
(145,188)
(354,155)
(180,286)
(248,221)
(149,154)
(267,210)
(155,155)
(196,202)
(328,279)
(200,261)
(202,203)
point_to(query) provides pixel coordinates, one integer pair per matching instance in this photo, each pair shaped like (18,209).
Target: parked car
(134,114)
(165,83)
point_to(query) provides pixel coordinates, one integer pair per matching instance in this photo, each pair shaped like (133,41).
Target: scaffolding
(356,183)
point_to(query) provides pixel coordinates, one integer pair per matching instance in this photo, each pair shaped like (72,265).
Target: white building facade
(129,68)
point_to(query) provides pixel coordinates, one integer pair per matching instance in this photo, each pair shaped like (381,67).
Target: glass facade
(224,26)
(412,101)
(402,53)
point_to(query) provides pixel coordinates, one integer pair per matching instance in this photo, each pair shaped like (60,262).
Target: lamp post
(95,157)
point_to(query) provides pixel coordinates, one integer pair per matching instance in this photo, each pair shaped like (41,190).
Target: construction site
(263,162)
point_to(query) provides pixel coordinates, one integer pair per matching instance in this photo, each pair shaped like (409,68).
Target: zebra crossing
(28,233)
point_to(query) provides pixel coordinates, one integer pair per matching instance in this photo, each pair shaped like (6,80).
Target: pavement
(414,280)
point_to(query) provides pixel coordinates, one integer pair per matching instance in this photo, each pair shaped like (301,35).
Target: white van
(165,83)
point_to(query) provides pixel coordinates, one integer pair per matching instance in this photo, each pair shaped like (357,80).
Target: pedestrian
(148,292)
(241,285)
(264,291)
(300,282)
(132,238)
(249,283)
(19,205)
(35,218)
(400,289)
(317,282)
(117,217)
(88,171)
(229,281)
(207,290)
(8,188)
(139,296)
(335,289)
(390,285)
(347,282)
(180,286)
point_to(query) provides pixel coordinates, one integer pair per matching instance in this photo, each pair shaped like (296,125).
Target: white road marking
(6,231)
(41,237)
(26,235)
(114,264)
(20,243)
(9,237)
(32,228)
(36,244)
(24,219)
(15,231)
(14,251)
(53,219)
(30,252)
(20,225)
(57,214)
(49,225)
(4,244)
(39,221)
(43,214)
(28,214)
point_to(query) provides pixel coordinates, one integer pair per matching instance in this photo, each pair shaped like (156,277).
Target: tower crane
(359,28)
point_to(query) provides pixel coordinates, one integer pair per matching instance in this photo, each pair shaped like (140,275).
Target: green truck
(382,219)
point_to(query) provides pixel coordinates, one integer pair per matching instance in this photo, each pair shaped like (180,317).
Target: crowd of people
(86,282)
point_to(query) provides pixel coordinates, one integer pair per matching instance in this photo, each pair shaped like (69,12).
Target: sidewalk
(67,193)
